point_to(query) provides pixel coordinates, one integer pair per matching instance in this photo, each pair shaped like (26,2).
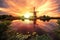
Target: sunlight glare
(27,15)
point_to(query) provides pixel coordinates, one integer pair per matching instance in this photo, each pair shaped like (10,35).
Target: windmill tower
(35,17)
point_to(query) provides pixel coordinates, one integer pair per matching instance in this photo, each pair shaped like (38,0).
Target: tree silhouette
(8,17)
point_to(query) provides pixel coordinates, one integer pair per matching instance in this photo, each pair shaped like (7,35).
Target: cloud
(58,1)
(3,4)
(21,6)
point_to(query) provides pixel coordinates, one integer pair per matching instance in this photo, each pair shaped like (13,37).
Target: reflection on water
(24,26)
(27,21)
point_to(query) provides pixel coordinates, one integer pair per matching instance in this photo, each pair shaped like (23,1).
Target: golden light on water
(27,21)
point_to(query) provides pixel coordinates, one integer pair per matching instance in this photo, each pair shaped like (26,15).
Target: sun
(27,15)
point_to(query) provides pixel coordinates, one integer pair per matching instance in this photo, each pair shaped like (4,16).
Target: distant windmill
(34,21)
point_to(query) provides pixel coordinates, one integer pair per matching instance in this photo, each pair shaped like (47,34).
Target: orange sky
(19,7)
